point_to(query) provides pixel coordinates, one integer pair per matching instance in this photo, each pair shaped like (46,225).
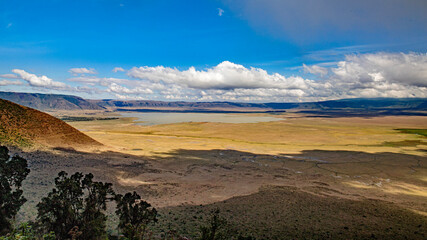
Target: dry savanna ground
(350,161)
(361,155)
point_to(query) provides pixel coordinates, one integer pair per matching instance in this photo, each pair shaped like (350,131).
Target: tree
(94,219)
(75,207)
(216,229)
(134,215)
(13,170)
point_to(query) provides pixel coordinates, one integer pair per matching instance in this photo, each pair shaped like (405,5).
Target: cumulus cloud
(8,83)
(118,69)
(115,88)
(129,97)
(82,71)
(39,81)
(358,75)
(363,75)
(400,68)
(381,75)
(226,75)
(225,82)
(316,70)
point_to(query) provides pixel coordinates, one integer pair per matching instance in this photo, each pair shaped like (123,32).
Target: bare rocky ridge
(24,127)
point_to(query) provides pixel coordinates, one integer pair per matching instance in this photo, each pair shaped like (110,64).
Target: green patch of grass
(80,119)
(405,143)
(421,132)
(14,139)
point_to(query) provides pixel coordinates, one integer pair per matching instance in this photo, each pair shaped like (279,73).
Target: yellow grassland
(291,135)
(205,162)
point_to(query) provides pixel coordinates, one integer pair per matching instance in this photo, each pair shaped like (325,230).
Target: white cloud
(9,25)
(225,82)
(362,75)
(41,81)
(9,75)
(88,89)
(220,12)
(98,80)
(226,75)
(316,70)
(115,88)
(406,69)
(8,83)
(82,71)
(118,69)
(379,75)
(129,97)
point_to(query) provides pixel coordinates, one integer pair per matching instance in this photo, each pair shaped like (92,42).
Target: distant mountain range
(47,102)
(26,127)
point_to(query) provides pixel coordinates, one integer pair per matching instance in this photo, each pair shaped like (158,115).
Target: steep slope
(23,126)
(49,101)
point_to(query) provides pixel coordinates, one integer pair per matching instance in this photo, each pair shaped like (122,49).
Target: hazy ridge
(70,102)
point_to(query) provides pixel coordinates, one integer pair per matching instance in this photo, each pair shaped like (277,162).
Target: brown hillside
(24,127)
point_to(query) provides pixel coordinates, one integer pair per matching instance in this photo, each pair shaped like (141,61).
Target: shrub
(13,170)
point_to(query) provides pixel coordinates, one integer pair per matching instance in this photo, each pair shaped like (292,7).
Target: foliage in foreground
(26,232)
(135,214)
(215,229)
(76,206)
(13,170)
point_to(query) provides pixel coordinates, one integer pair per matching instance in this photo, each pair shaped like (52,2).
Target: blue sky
(242,50)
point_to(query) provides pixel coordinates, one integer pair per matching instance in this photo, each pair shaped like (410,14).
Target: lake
(155,118)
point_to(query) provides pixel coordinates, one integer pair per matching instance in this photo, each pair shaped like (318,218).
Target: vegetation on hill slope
(23,126)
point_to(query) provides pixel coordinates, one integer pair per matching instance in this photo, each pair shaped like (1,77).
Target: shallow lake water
(168,118)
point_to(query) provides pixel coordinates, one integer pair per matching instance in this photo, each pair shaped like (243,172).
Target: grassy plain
(377,166)
(359,154)
(292,135)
